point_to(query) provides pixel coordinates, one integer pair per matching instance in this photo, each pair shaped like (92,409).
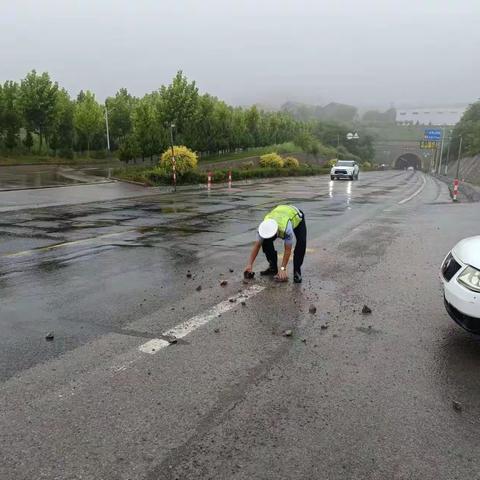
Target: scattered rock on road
(216,330)
(223,283)
(189,275)
(366,310)
(324,327)
(49,336)
(287,333)
(457,406)
(232,300)
(312,309)
(230,270)
(243,303)
(199,288)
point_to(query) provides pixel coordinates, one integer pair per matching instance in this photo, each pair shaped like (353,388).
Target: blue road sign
(433,134)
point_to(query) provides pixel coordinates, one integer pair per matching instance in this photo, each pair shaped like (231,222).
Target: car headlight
(470,278)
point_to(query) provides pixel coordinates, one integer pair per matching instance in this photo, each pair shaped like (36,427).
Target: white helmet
(268,228)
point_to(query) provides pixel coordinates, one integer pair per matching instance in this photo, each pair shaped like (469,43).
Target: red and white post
(174,162)
(455,190)
(209,180)
(229,179)
(174,171)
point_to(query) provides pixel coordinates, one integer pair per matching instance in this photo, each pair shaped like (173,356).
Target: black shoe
(297,278)
(269,271)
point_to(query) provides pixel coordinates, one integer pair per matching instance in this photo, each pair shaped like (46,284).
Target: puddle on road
(40,176)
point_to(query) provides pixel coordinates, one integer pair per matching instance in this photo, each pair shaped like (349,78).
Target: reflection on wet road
(41,176)
(162,218)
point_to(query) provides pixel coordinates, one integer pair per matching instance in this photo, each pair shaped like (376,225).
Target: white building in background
(430,116)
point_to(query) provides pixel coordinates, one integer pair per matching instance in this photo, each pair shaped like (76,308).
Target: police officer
(286,222)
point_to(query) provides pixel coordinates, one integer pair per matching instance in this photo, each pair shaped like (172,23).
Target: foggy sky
(362,52)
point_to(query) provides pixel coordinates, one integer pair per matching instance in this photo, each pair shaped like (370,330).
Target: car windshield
(344,163)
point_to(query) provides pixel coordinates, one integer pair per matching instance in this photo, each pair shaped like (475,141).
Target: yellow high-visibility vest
(282,215)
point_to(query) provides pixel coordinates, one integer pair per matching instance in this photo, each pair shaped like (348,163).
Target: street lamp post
(106,124)
(174,163)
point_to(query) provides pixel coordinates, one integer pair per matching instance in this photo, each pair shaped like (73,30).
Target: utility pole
(455,182)
(174,163)
(441,152)
(106,123)
(459,155)
(448,155)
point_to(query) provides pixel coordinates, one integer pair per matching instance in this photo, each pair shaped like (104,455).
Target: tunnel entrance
(408,160)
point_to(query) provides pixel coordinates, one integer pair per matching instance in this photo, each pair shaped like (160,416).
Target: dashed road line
(190,325)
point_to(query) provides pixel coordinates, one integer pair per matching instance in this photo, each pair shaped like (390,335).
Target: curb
(80,184)
(117,179)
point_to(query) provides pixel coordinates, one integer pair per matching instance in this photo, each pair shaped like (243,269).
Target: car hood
(468,251)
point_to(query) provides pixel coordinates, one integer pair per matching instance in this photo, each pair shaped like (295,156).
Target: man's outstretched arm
(253,256)
(282,275)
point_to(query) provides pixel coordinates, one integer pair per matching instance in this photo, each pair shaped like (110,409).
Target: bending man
(286,222)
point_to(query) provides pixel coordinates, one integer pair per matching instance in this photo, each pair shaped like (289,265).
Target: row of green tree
(469,129)
(36,113)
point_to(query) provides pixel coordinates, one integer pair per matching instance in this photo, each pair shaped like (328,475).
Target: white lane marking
(187,327)
(405,200)
(152,346)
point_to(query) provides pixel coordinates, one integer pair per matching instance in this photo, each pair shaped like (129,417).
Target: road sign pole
(441,152)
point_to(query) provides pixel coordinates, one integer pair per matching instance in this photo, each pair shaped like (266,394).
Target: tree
(148,134)
(252,119)
(178,103)
(88,118)
(469,128)
(120,109)
(38,98)
(28,141)
(63,128)
(10,114)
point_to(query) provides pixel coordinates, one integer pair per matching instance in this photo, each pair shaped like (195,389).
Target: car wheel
(332,177)
(351,177)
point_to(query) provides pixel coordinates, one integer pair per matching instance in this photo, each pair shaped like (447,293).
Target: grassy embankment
(156,176)
(282,148)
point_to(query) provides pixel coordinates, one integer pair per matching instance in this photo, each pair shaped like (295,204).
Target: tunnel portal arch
(406,160)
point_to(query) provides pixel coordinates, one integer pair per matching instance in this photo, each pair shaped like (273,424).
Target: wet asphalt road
(347,396)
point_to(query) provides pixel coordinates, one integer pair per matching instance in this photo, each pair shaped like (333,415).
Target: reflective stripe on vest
(282,215)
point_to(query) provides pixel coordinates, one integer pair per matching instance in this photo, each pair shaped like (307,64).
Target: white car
(461,281)
(345,169)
